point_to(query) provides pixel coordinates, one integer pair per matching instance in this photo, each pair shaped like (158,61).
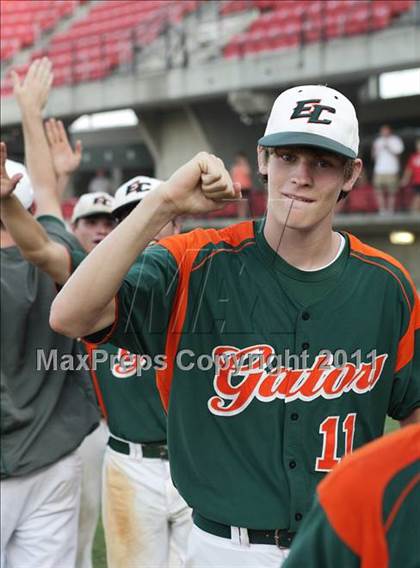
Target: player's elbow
(63,320)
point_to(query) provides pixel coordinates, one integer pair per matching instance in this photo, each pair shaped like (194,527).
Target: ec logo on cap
(138,187)
(312,111)
(102,200)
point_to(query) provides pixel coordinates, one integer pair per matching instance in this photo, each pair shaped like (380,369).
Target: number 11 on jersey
(329,430)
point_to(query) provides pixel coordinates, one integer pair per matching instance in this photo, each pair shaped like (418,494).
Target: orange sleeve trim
(398,503)
(89,348)
(114,325)
(406,344)
(352,500)
(185,249)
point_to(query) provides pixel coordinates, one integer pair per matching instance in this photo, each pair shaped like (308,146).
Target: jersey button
(294,416)
(298,516)
(305,345)
(292,464)
(305,316)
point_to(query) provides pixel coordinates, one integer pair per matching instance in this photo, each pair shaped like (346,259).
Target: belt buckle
(277,537)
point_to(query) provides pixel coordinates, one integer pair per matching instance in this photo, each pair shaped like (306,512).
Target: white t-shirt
(386,151)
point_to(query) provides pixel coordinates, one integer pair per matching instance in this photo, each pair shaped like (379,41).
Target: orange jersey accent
(352,496)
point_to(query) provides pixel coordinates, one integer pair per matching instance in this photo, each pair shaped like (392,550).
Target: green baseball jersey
(366,510)
(125,386)
(265,388)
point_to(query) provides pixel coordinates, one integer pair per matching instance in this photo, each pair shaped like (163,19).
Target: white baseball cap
(89,204)
(313,115)
(133,191)
(23,190)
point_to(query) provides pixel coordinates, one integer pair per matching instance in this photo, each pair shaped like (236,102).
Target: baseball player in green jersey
(146,521)
(366,509)
(148,524)
(286,343)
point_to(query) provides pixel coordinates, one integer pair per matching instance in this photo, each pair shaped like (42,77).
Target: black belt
(150,450)
(282,538)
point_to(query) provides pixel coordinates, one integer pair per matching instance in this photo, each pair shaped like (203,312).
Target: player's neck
(306,250)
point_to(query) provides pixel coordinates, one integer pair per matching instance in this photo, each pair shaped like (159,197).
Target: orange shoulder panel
(185,249)
(352,494)
(199,238)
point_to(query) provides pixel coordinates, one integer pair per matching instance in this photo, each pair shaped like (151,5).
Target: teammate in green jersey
(366,508)
(286,343)
(146,521)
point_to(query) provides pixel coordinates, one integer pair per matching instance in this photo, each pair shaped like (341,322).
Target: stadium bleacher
(111,32)
(23,21)
(290,23)
(94,46)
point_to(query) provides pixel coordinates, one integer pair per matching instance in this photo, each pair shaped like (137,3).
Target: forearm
(62,183)
(26,232)
(39,163)
(79,306)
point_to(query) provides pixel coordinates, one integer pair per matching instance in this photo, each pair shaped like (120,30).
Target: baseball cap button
(305,316)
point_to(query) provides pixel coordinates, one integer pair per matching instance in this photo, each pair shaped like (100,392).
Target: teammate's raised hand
(32,92)
(65,159)
(201,185)
(7,184)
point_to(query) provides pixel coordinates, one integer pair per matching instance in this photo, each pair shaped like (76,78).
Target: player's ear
(352,178)
(262,157)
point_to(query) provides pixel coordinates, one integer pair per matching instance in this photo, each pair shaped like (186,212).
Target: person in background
(365,510)
(386,151)
(412,175)
(100,183)
(241,173)
(47,408)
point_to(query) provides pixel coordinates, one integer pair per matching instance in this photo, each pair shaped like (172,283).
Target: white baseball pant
(39,514)
(206,550)
(91,452)
(146,521)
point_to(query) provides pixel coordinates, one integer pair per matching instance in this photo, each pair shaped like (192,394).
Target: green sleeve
(318,546)
(144,304)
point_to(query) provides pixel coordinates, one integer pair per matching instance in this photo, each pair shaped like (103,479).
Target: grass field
(99,554)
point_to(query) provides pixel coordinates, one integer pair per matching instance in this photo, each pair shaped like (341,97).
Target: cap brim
(306,139)
(130,205)
(95,214)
